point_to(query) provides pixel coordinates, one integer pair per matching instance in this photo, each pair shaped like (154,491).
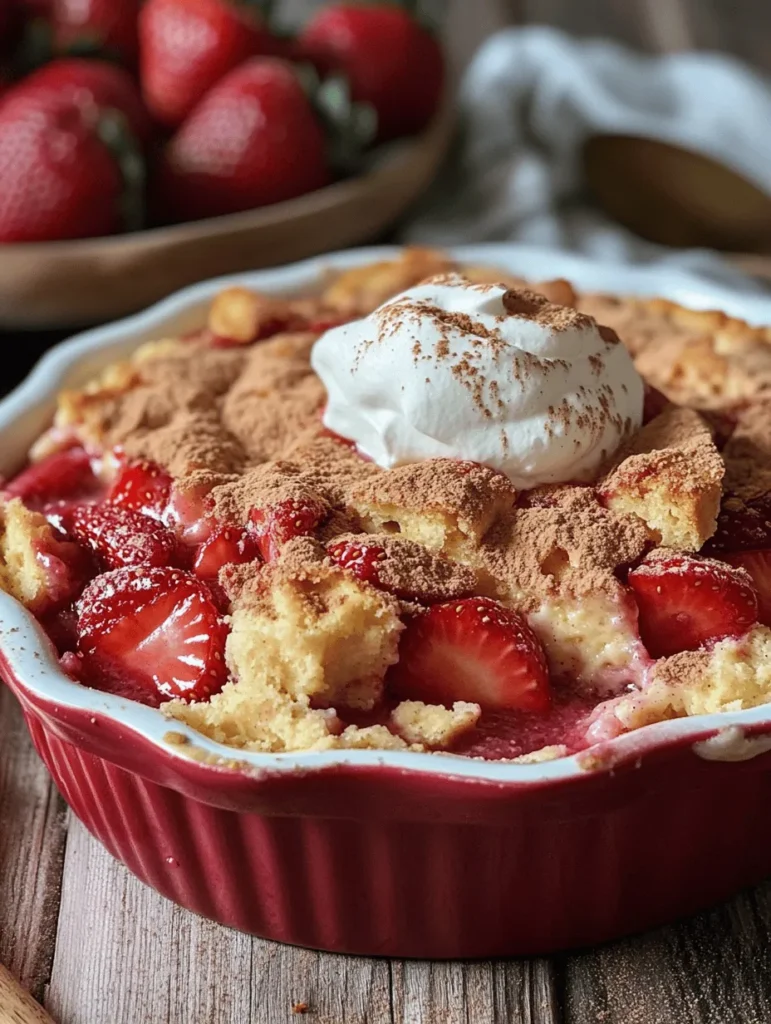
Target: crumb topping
(571,545)
(311,643)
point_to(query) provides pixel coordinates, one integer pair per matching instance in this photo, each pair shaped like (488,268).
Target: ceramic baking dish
(401,854)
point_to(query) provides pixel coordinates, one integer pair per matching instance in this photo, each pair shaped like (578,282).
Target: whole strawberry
(187,46)
(390,60)
(253,140)
(107,26)
(59,180)
(94,86)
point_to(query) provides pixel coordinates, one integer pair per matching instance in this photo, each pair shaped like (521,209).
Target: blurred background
(136,154)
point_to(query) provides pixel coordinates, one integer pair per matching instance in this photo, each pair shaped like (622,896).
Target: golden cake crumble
(285,593)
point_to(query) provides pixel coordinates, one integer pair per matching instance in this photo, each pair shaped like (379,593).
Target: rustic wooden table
(97,947)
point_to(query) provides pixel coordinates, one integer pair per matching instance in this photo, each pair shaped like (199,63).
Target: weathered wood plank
(332,989)
(710,969)
(514,992)
(32,840)
(124,954)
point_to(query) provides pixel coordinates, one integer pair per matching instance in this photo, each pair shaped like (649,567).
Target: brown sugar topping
(566,543)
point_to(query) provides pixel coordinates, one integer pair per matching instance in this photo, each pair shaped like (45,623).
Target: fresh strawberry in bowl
(188,46)
(391,61)
(107,27)
(94,87)
(253,140)
(64,174)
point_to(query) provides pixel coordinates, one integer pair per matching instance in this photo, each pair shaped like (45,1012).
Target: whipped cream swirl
(481,372)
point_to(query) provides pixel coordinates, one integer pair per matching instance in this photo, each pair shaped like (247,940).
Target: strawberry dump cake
(430,508)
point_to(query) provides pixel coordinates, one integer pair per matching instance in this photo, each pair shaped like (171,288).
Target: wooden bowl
(69,284)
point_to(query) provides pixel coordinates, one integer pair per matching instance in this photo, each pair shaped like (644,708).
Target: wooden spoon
(676,197)
(16,1005)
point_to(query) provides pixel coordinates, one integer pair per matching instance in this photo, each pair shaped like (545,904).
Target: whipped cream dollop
(481,372)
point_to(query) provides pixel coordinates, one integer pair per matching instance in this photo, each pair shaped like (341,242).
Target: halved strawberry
(142,487)
(360,559)
(119,536)
(276,524)
(473,650)
(758,565)
(61,475)
(227,545)
(686,602)
(189,514)
(152,634)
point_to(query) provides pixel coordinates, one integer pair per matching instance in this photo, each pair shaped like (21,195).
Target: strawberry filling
(147,629)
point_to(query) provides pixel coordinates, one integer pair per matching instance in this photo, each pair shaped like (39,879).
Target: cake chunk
(359,290)
(592,638)
(445,504)
(735,674)
(669,475)
(313,632)
(34,565)
(432,725)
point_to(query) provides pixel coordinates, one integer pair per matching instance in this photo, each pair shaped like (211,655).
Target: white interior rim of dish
(29,655)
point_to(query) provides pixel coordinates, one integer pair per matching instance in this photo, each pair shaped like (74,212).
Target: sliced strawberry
(152,634)
(189,514)
(276,524)
(119,536)
(473,650)
(61,475)
(686,602)
(758,565)
(227,546)
(142,487)
(741,525)
(360,559)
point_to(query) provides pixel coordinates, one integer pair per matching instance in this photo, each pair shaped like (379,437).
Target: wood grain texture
(710,969)
(32,840)
(520,991)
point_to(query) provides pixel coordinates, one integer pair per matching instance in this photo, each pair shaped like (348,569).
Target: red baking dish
(392,853)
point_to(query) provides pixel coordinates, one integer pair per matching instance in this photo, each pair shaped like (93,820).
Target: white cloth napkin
(529,99)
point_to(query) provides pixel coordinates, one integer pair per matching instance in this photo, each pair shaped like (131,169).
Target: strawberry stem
(265,8)
(115,133)
(351,127)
